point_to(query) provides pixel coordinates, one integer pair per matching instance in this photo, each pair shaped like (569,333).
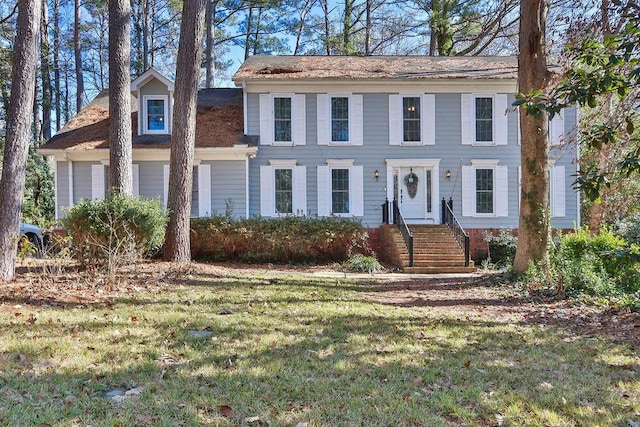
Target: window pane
(484,119)
(340,119)
(340,190)
(282,119)
(411,118)
(155,114)
(484,190)
(428,185)
(284,193)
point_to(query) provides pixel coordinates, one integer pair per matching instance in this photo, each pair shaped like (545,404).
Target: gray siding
(228,187)
(448,148)
(151,176)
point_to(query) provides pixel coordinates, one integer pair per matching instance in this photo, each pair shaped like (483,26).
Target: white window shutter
(299,178)
(323,118)
(558,183)
(556,129)
(468,190)
(136,179)
(266,119)
(468,119)
(97,182)
(501,191)
(395,120)
(356,191)
(500,119)
(356,120)
(428,119)
(299,118)
(267,191)
(165,184)
(324,191)
(204,190)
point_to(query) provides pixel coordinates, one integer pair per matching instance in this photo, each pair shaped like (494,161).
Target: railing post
(450,203)
(466,250)
(411,250)
(444,210)
(396,209)
(385,211)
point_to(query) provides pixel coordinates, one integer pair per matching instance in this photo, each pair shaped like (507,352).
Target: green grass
(301,350)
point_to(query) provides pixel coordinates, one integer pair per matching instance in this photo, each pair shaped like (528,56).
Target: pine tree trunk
(209,61)
(177,241)
(45,73)
(77,46)
(533,75)
(25,64)
(119,97)
(56,63)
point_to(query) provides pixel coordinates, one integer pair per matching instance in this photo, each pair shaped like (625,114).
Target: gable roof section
(148,75)
(282,67)
(219,123)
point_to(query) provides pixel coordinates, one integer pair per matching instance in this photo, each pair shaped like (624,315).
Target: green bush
(629,228)
(278,240)
(115,231)
(502,248)
(603,264)
(363,264)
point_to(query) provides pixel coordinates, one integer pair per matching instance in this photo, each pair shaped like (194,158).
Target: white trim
(557,194)
(556,129)
(165,184)
(236,152)
(145,77)
(500,189)
(246,186)
(283,163)
(145,115)
(135,175)
(268,186)
(298,119)
(97,182)
(499,119)
(390,86)
(204,190)
(55,189)
(70,172)
(427,119)
(340,162)
(427,164)
(484,163)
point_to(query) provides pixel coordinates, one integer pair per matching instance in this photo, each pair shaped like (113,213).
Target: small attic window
(156,114)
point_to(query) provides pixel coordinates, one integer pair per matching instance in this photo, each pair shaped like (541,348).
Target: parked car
(33,234)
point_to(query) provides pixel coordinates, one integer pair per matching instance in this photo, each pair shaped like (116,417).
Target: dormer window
(156,114)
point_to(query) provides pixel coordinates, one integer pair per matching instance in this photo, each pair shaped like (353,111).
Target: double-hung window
(282,119)
(485,189)
(340,189)
(340,119)
(156,114)
(484,119)
(412,119)
(283,188)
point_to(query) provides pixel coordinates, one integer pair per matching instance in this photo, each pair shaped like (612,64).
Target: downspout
(55,188)
(246,181)
(244,106)
(70,183)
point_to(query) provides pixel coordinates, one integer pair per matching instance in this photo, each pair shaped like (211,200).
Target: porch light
(447,174)
(376,174)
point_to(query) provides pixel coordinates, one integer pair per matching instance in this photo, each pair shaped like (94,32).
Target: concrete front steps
(435,250)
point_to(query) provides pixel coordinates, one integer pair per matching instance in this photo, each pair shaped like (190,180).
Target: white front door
(413,192)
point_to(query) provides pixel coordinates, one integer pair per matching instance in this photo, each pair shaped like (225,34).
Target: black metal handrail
(407,235)
(461,236)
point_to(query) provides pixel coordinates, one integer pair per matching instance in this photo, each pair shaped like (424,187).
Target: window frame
(145,115)
(492,120)
(347,191)
(290,97)
(493,191)
(355,119)
(275,189)
(268,188)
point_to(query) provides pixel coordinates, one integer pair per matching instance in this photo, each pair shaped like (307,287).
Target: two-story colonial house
(333,135)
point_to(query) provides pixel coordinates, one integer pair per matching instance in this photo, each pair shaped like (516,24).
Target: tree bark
(119,97)
(177,239)
(209,61)
(533,75)
(25,64)
(56,62)
(77,47)
(45,73)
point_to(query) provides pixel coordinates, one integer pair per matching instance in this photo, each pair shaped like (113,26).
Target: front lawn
(214,348)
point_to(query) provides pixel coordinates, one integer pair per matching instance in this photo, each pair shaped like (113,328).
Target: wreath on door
(411,182)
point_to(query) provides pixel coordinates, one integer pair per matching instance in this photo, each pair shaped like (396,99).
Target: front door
(412,187)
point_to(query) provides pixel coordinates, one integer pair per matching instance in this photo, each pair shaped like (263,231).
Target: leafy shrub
(629,228)
(603,264)
(502,248)
(115,231)
(279,240)
(363,264)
